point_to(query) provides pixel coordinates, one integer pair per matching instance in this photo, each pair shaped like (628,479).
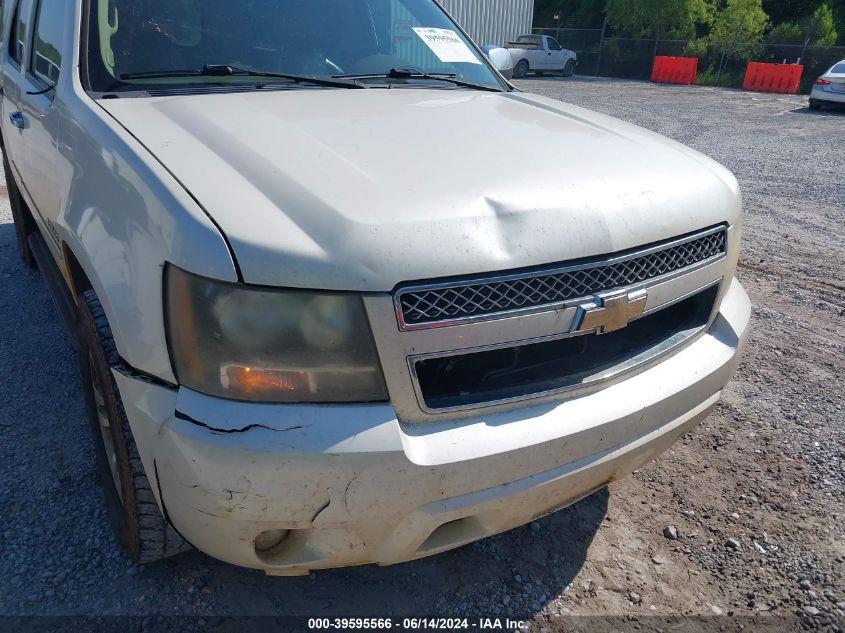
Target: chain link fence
(602,54)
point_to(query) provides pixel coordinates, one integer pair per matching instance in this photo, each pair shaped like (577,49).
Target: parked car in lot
(829,89)
(315,326)
(540,54)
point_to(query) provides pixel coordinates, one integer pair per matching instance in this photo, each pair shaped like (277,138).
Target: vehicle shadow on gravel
(824,111)
(514,574)
(554,77)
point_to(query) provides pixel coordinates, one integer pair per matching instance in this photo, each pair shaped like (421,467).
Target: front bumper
(355,486)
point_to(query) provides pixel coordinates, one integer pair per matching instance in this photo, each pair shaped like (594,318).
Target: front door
(45,56)
(15,28)
(554,59)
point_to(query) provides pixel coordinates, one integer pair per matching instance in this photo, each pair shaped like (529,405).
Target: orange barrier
(781,78)
(675,70)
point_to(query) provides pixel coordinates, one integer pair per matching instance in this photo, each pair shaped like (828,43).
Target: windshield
(839,69)
(132,40)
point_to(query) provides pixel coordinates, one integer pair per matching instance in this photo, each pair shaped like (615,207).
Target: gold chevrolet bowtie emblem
(610,313)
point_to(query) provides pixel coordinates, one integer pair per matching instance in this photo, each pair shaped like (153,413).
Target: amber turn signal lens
(258,381)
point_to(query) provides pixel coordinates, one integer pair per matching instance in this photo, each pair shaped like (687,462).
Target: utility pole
(727,46)
(601,46)
(559,22)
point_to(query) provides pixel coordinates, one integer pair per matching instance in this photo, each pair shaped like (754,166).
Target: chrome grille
(439,304)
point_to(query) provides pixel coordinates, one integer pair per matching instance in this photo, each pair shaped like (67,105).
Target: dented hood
(365,189)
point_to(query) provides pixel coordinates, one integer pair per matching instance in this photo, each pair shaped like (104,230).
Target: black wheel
(569,69)
(136,520)
(520,71)
(815,105)
(24,224)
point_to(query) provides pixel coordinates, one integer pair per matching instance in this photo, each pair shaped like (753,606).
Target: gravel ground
(744,517)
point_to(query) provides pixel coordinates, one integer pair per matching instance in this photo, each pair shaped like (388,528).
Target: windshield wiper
(415,73)
(220,70)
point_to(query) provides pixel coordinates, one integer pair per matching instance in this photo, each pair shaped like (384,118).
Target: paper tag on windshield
(449,48)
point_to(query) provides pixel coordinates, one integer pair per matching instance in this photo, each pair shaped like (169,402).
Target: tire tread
(157,538)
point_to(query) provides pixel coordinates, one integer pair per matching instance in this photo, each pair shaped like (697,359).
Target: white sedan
(829,89)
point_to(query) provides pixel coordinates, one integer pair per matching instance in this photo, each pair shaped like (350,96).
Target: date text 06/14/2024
(416,624)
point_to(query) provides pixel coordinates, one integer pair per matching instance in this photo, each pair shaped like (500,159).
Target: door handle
(18,120)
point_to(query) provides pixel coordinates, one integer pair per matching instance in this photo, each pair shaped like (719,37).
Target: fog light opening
(270,540)
(453,534)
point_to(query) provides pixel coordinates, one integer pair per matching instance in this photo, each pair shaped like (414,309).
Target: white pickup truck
(315,327)
(540,54)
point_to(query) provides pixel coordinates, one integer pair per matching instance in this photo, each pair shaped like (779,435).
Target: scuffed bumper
(354,485)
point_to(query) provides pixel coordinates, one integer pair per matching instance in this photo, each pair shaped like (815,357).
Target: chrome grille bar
(455,302)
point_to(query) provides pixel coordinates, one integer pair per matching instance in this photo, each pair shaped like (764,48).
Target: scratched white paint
(362,190)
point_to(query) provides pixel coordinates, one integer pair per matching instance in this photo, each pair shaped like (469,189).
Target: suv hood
(365,189)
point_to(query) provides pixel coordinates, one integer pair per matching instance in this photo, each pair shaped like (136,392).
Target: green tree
(819,29)
(781,11)
(660,19)
(568,13)
(786,33)
(738,28)
(838,7)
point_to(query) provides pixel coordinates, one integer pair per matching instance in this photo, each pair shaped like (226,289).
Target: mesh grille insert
(467,300)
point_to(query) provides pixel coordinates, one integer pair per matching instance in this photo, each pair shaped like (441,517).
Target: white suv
(343,295)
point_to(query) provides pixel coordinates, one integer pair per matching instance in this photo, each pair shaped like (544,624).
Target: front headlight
(266,345)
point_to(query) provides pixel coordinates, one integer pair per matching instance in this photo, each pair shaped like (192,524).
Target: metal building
(492,21)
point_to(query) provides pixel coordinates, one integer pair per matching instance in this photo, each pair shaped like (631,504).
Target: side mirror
(501,60)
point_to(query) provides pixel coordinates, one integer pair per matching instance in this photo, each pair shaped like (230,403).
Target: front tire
(136,520)
(520,71)
(24,224)
(569,69)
